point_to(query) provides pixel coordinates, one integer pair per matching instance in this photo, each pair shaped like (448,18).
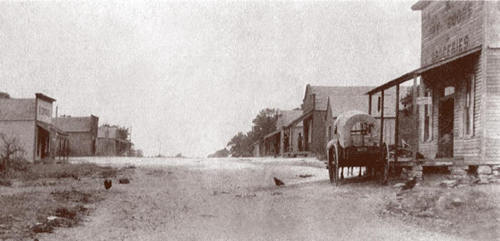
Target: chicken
(278,182)
(107,184)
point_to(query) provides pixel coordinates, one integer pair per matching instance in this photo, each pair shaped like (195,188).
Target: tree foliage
(220,153)
(264,123)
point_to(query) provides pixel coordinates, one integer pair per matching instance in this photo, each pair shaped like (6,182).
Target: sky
(187,76)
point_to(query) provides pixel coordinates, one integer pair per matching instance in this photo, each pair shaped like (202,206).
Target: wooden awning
(301,118)
(272,134)
(422,70)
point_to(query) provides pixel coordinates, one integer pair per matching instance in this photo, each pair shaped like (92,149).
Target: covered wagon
(355,143)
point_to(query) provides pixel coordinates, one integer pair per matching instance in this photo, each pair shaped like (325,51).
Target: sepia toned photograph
(249,120)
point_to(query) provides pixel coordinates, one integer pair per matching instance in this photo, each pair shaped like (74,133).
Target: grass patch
(25,212)
(23,215)
(65,170)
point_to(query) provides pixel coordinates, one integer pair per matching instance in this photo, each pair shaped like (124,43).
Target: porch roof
(301,118)
(420,71)
(272,134)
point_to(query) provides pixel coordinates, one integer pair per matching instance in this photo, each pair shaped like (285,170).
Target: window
(449,90)
(427,135)
(329,132)
(469,106)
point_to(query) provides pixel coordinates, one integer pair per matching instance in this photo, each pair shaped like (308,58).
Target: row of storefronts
(448,110)
(41,136)
(306,131)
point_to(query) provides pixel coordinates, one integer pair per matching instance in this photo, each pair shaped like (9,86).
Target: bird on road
(278,182)
(107,184)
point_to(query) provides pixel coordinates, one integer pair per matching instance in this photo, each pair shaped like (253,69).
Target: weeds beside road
(37,198)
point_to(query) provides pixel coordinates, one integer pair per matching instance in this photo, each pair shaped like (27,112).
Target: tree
(220,153)
(10,149)
(239,146)
(264,123)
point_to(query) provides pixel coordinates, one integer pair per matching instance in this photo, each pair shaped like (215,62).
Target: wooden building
(29,121)
(456,94)
(285,138)
(112,141)
(82,133)
(314,113)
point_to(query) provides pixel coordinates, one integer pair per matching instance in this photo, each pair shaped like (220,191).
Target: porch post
(396,125)
(369,104)
(282,141)
(414,110)
(381,117)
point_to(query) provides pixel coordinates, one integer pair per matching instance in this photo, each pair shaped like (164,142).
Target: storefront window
(469,106)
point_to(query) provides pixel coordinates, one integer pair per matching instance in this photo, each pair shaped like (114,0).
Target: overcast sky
(193,74)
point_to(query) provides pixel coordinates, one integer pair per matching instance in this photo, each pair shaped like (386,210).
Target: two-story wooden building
(457,94)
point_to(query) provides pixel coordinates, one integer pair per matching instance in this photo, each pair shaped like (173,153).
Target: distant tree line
(240,145)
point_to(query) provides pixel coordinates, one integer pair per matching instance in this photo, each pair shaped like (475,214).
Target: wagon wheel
(333,161)
(385,163)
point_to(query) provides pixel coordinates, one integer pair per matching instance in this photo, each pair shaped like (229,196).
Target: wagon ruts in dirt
(355,143)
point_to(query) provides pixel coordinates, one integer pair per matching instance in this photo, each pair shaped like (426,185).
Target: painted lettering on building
(450,48)
(450,28)
(453,14)
(44,111)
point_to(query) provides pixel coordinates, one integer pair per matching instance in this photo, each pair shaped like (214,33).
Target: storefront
(29,122)
(456,94)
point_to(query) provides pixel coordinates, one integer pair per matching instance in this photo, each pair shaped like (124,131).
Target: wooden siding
(448,25)
(318,142)
(445,25)
(492,112)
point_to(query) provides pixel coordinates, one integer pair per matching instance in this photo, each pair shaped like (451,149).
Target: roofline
(65,116)
(420,5)
(44,97)
(305,93)
(422,70)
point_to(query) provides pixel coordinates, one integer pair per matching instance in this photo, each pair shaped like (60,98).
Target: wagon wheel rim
(333,164)
(336,155)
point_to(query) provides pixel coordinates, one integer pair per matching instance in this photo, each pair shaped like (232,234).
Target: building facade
(29,121)
(461,121)
(317,118)
(112,141)
(456,91)
(82,133)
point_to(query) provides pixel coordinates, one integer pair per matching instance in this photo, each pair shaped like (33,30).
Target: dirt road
(230,199)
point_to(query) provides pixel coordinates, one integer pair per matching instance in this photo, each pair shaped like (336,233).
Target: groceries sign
(44,111)
(450,28)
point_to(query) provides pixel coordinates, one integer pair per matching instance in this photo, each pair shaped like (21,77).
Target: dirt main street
(231,199)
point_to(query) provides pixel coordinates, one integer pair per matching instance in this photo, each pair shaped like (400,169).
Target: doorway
(446,115)
(43,143)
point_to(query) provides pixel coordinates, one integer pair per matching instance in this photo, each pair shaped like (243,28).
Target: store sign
(424,100)
(44,111)
(450,28)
